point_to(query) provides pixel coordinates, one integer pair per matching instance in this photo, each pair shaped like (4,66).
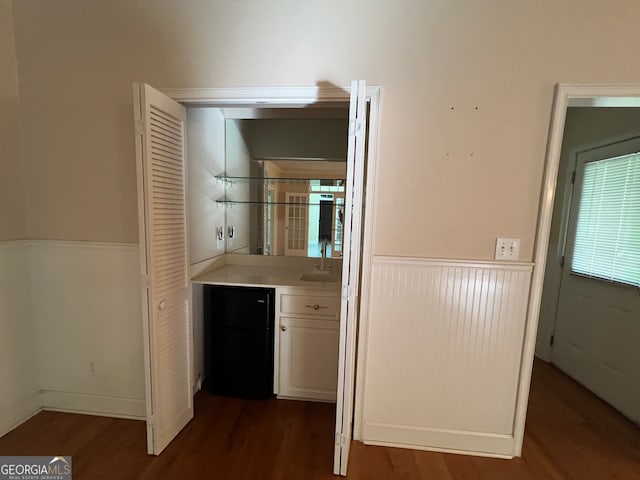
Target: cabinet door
(308,358)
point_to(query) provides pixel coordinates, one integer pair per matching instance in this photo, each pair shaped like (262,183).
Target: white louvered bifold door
(350,275)
(160,142)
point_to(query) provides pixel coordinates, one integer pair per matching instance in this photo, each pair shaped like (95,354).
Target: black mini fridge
(239,323)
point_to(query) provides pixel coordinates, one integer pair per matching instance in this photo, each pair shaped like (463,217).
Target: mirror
(284,185)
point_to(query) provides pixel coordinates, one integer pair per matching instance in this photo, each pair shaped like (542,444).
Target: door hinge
(551,340)
(139,126)
(347,292)
(340,440)
(573,177)
(145,281)
(562,261)
(354,127)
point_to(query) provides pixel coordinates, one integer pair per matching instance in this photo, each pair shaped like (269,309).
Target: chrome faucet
(323,250)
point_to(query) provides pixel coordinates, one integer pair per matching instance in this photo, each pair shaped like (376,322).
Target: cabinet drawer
(310,305)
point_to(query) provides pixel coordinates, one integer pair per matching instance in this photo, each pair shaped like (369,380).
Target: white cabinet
(308,345)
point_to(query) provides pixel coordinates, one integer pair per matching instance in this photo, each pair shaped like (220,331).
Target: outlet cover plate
(507,249)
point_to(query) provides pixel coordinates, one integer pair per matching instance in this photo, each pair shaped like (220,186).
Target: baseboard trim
(439,440)
(90,404)
(18,413)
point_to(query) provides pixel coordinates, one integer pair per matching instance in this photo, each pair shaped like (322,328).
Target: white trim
(565,95)
(455,441)
(15,243)
(91,404)
(31,242)
(439,450)
(368,247)
(83,244)
(19,412)
(138,114)
(261,97)
(440,262)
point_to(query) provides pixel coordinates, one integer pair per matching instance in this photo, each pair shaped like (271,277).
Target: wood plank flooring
(570,435)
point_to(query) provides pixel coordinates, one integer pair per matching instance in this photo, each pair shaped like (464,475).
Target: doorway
(152,119)
(557,243)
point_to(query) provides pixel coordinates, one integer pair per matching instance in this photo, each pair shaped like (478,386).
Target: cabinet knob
(315,307)
(283,328)
(161,305)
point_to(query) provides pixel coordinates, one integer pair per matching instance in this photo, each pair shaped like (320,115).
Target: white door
(350,276)
(297,214)
(598,318)
(160,149)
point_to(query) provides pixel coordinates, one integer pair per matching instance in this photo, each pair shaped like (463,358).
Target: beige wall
(12,219)
(467,92)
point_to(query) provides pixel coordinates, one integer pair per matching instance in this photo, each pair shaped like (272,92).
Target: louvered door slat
(164,145)
(168,130)
(174,177)
(161,167)
(166,161)
(170,403)
(162,116)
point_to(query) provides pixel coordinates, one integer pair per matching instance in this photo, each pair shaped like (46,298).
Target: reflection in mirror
(284,213)
(289,204)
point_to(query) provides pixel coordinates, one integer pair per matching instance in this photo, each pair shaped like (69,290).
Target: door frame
(300,97)
(566,95)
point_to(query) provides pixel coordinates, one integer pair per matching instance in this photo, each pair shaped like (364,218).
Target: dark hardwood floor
(570,435)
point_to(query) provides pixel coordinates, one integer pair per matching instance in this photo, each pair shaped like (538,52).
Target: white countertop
(264,276)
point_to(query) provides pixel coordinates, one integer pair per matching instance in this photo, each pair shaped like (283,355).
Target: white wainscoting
(443,354)
(19,391)
(85,306)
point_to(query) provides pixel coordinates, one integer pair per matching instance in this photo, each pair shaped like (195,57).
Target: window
(607,240)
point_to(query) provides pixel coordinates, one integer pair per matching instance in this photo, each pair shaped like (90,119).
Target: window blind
(607,241)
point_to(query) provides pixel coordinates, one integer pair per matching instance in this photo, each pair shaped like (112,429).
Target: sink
(319,277)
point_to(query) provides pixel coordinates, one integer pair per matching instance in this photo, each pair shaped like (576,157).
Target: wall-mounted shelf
(247,202)
(324,182)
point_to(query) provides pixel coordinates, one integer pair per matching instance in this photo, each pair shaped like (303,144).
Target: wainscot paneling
(444,347)
(85,306)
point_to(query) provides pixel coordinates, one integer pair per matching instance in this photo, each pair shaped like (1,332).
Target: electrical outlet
(220,238)
(507,249)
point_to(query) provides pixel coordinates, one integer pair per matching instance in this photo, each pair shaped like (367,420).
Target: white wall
(205,160)
(583,126)
(19,386)
(238,164)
